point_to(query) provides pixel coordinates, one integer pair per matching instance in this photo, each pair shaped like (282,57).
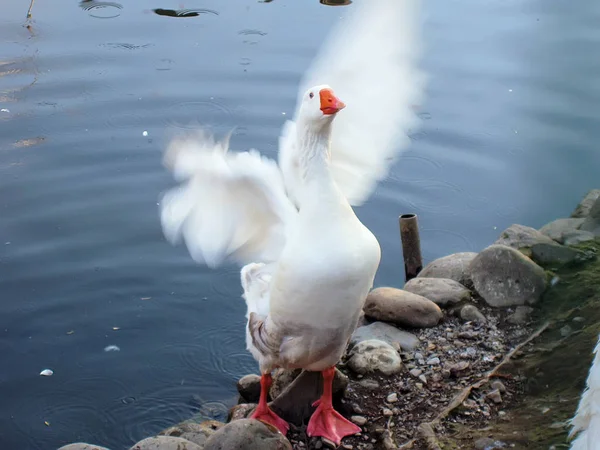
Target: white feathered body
(586,423)
(308,262)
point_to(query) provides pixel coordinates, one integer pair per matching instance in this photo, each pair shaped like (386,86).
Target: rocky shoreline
(440,363)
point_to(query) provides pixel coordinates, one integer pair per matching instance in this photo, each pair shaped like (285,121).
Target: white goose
(309,261)
(586,422)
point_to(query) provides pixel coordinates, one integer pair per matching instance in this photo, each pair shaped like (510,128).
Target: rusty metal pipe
(411,245)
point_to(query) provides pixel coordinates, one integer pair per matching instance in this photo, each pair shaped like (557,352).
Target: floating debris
(70,332)
(46,423)
(112,348)
(4,110)
(29,142)
(145,298)
(47,373)
(145,133)
(116,328)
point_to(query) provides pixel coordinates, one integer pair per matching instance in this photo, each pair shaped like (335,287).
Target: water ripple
(198,113)
(101,10)
(184,12)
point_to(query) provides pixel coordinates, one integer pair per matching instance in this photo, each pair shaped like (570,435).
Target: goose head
(319,106)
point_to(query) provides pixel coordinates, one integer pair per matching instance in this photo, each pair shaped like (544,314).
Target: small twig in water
(29,10)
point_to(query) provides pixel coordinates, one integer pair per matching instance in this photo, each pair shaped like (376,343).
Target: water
(510,135)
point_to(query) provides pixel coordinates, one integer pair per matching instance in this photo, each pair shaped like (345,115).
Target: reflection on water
(183,12)
(101,10)
(86,108)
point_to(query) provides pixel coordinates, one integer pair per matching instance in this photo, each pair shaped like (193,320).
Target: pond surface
(510,134)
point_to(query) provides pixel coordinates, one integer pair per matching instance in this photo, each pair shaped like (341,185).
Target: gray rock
(392,398)
(504,277)
(197,433)
(577,237)
(401,307)
(470,313)
(241,411)
(553,254)
(520,316)
(374,356)
(82,446)
(249,387)
(521,237)
(494,396)
(165,443)
(441,291)
(398,339)
(454,267)
(498,385)
(592,222)
(359,420)
(585,206)
(369,384)
(538,246)
(247,434)
(557,229)
(282,378)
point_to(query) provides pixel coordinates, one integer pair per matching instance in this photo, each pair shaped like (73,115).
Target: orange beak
(330,104)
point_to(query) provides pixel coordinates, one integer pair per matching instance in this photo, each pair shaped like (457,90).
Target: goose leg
(263,412)
(326,421)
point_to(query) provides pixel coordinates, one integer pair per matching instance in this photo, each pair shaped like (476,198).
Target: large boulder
(538,246)
(559,229)
(592,221)
(402,308)
(247,434)
(441,291)
(399,339)
(249,387)
(585,206)
(165,443)
(374,356)
(82,446)
(453,266)
(197,433)
(505,277)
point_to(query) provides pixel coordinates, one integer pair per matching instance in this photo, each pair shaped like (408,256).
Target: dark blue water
(510,135)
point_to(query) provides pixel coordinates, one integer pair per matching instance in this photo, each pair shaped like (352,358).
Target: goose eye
(311,95)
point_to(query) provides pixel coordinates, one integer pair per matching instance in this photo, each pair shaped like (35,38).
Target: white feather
(230,207)
(369,60)
(586,422)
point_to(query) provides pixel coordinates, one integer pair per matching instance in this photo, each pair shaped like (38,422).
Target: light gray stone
(556,254)
(247,434)
(454,267)
(592,222)
(398,339)
(577,237)
(585,206)
(521,237)
(505,277)
(441,291)
(165,443)
(197,433)
(520,316)
(470,313)
(402,308)
(82,446)
(374,356)
(249,387)
(558,228)
(241,411)
(539,247)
